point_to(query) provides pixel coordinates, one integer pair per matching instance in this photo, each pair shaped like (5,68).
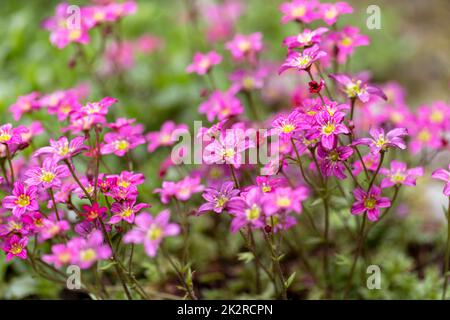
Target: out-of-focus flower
(150,231)
(181,190)
(249,213)
(355,88)
(285,199)
(444,175)
(203,62)
(381,141)
(25,104)
(245,46)
(299,10)
(399,174)
(87,251)
(329,12)
(166,136)
(306,38)
(221,105)
(347,40)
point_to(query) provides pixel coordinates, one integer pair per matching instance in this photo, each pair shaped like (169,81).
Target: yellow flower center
(16,248)
(248,83)
(64,257)
(283,202)
(244,45)
(381,141)
(370,203)
(331,13)
(398,177)
(123,183)
(220,202)
(88,255)
(266,188)
(328,128)
(298,12)
(396,117)
(47,176)
(334,156)
(23,201)
(424,135)
(302,61)
(436,116)
(354,89)
(346,42)
(154,233)
(253,213)
(4,137)
(204,63)
(122,145)
(127,212)
(74,34)
(273,220)
(228,153)
(287,128)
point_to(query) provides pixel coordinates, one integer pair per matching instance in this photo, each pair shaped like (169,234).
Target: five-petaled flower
(369,202)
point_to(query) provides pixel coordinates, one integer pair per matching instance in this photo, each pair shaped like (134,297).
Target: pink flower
(151,231)
(51,228)
(328,127)
(247,80)
(47,176)
(287,126)
(347,40)
(370,161)
(87,251)
(249,212)
(306,38)
(125,211)
(94,212)
(221,105)
(245,46)
(302,60)
(22,199)
(61,255)
(369,202)
(63,148)
(285,200)
(399,174)
(63,28)
(181,190)
(203,62)
(219,199)
(270,184)
(228,148)
(329,12)
(122,142)
(436,114)
(424,136)
(166,136)
(299,10)
(330,161)
(355,88)
(444,175)
(11,136)
(381,141)
(15,247)
(25,104)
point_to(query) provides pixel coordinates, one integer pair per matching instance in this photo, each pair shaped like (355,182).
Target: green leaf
(246,257)
(342,260)
(107,266)
(289,281)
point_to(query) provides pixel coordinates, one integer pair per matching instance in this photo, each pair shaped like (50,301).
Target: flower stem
(72,172)
(8,156)
(447,253)
(233,173)
(52,196)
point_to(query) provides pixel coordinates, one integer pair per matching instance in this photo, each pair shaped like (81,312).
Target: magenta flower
(25,104)
(61,255)
(181,190)
(247,80)
(125,211)
(221,105)
(329,12)
(63,148)
(120,143)
(330,161)
(369,202)
(287,126)
(285,200)
(249,212)
(424,136)
(15,247)
(63,28)
(228,148)
(354,88)
(302,60)
(87,251)
(444,175)
(270,184)
(299,10)
(243,46)
(93,212)
(305,39)
(220,199)
(328,127)
(280,221)
(151,231)
(23,199)
(99,108)
(11,136)
(62,103)
(47,176)
(436,114)
(166,136)
(381,141)
(399,174)
(203,62)
(347,40)
(370,161)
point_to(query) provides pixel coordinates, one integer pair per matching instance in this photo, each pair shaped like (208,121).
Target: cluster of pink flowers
(351,138)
